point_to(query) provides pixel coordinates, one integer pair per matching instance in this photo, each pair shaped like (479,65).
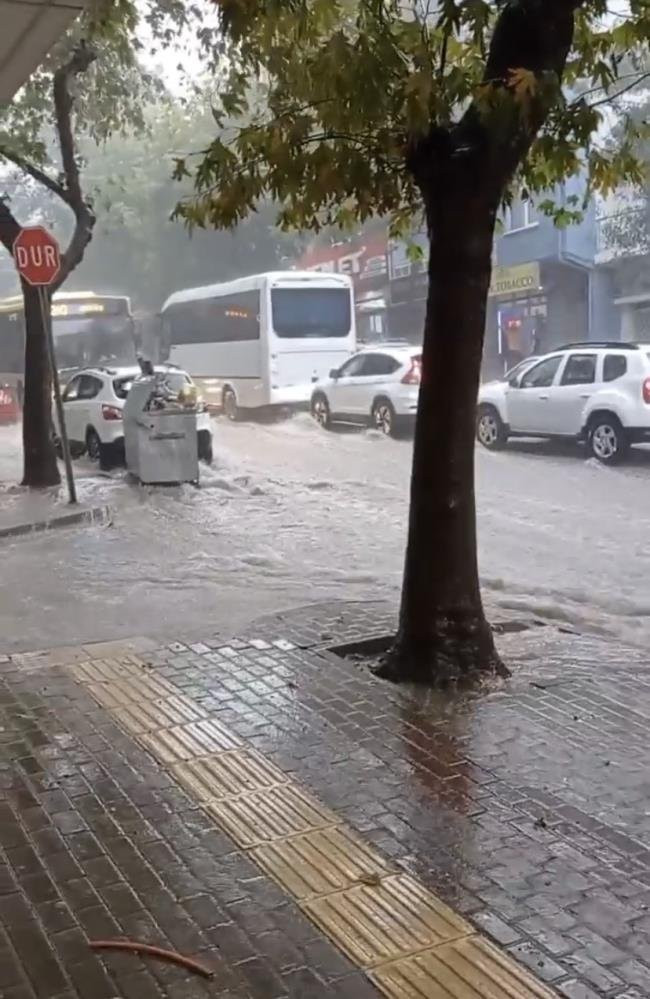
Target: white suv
(598,393)
(93,401)
(376,387)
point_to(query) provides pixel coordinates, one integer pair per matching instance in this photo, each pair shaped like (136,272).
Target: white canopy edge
(29,30)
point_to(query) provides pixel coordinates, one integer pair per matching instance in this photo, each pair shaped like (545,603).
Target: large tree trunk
(40,464)
(443,632)
(463,173)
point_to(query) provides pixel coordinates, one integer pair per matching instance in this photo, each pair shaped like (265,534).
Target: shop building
(364,258)
(545,288)
(623,263)
(407,290)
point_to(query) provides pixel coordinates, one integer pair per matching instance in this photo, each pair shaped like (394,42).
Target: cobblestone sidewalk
(522,806)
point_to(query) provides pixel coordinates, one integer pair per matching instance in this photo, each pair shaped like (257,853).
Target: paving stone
(496,928)
(540,963)
(501,804)
(577,990)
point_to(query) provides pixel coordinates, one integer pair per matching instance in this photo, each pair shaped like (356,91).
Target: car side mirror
(335,373)
(514,382)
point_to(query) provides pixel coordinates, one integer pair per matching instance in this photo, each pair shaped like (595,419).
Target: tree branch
(610,98)
(40,176)
(531,35)
(79,62)
(9,227)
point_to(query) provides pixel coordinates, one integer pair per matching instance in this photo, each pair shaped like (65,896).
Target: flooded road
(289,514)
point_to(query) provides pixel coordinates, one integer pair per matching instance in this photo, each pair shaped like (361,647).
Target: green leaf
(352,87)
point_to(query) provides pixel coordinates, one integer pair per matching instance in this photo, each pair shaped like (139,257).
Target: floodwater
(290,514)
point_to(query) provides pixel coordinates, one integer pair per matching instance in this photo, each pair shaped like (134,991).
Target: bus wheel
(230,407)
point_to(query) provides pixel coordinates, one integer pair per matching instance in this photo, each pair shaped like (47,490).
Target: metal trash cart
(160,431)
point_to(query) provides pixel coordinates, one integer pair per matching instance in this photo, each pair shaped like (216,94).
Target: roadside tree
(90,85)
(398,108)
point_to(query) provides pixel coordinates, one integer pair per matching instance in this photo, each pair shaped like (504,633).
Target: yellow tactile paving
(149,716)
(320,862)
(108,670)
(104,671)
(410,943)
(120,647)
(66,655)
(132,690)
(228,774)
(470,968)
(264,816)
(379,923)
(188,742)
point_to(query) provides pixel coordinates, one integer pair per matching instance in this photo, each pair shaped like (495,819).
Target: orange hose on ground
(164,955)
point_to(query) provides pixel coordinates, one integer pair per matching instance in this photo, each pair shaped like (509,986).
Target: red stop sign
(37,256)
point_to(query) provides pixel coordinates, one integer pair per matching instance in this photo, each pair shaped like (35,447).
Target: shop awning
(29,30)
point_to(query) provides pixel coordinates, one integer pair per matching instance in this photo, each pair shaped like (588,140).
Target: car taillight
(412,376)
(111,413)
(646,391)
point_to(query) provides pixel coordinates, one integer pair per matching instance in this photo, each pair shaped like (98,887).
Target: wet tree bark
(40,468)
(463,172)
(443,632)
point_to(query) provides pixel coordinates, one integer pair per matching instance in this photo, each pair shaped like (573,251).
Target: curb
(93,515)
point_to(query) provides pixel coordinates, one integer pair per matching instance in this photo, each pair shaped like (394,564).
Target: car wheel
(111,456)
(383,417)
(490,429)
(607,440)
(93,444)
(320,411)
(205,447)
(230,407)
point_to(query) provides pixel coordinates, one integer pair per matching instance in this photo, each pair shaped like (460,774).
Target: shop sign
(518,280)
(366,262)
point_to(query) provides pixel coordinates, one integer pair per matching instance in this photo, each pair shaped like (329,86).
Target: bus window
(311,312)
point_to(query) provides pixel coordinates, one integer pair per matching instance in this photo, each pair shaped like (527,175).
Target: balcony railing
(625,233)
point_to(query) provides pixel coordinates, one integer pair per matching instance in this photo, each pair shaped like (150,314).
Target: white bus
(260,341)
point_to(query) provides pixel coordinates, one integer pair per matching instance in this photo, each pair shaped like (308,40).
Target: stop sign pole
(38,260)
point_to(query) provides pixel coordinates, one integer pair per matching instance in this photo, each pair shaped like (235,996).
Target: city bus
(260,342)
(88,329)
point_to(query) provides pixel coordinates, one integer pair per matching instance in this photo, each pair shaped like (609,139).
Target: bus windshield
(311,312)
(94,332)
(88,329)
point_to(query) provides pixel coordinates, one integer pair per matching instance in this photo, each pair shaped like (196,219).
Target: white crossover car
(597,393)
(377,387)
(93,401)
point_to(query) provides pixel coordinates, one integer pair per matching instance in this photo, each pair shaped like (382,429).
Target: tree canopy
(138,249)
(354,86)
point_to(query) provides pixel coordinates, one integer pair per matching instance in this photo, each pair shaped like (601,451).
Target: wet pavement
(522,805)
(290,513)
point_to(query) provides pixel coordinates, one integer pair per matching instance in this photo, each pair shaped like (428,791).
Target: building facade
(545,288)
(550,285)
(365,258)
(623,261)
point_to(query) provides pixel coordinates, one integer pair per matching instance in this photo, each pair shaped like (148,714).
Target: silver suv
(598,393)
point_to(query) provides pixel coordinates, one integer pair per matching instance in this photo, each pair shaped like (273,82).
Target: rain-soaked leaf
(349,85)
